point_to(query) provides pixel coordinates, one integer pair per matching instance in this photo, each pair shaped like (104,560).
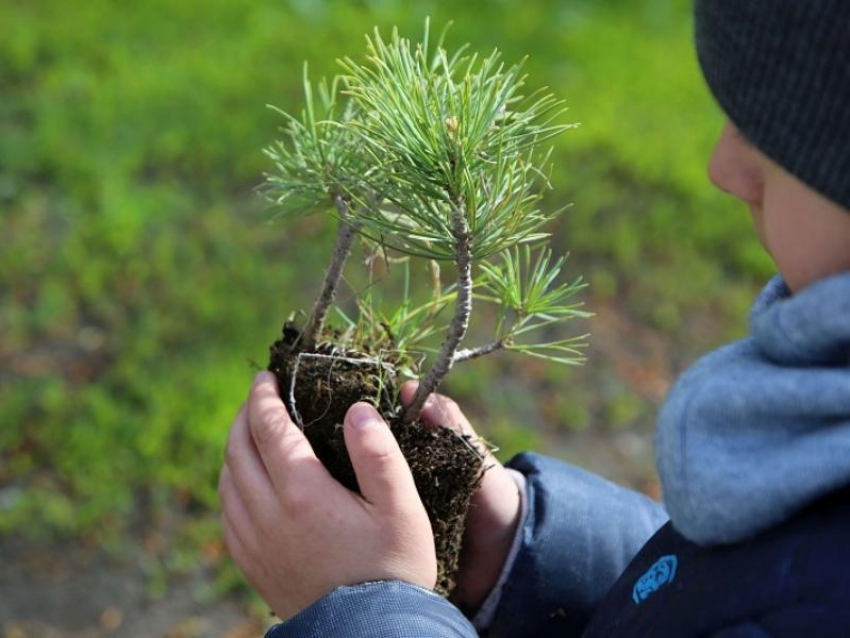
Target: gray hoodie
(758,429)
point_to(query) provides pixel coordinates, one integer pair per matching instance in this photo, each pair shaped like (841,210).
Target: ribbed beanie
(780,69)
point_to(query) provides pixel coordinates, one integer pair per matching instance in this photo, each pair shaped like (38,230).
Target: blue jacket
(754,458)
(790,580)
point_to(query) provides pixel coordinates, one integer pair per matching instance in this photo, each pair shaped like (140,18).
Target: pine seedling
(438,157)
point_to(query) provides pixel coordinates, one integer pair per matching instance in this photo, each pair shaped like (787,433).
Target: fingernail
(363,415)
(264,376)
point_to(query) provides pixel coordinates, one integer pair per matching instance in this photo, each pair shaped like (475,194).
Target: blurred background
(141,281)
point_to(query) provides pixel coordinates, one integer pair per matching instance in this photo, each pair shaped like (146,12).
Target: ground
(75,591)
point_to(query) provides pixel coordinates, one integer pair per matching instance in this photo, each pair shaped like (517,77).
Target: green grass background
(139,275)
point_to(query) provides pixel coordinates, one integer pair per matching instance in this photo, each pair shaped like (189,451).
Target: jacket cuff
(377,610)
(579,534)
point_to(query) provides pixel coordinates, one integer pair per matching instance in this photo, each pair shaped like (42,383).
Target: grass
(140,278)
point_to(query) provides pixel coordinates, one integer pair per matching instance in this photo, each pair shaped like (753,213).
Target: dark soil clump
(318,387)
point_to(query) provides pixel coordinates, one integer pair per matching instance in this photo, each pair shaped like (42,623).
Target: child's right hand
(493,516)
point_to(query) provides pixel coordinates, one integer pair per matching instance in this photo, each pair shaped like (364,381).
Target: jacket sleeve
(578,535)
(377,610)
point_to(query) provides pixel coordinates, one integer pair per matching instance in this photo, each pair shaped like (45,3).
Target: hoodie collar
(756,430)
(811,327)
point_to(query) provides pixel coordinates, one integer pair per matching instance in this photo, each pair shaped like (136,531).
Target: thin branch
(467,354)
(345,233)
(460,322)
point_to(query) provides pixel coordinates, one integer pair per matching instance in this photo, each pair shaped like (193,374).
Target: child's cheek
(758,222)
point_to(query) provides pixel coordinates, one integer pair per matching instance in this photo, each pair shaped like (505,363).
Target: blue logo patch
(661,573)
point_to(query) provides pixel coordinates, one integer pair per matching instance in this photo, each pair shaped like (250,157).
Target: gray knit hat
(781,71)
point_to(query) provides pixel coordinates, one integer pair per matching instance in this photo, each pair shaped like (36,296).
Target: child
(753,441)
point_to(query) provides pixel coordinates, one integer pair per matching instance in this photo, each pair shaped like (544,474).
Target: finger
(245,465)
(408,390)
(438,410)
(236,545)
(282,446)
(382,471)
(433,413)
(233,508)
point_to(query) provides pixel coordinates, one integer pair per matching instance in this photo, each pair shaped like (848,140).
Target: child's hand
(493,514)
(296,532)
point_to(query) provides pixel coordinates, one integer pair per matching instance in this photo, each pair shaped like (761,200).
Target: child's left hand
(294,530)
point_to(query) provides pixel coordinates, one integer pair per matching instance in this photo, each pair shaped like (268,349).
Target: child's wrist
(492,522)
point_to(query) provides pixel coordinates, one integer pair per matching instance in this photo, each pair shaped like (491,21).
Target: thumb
(382,471)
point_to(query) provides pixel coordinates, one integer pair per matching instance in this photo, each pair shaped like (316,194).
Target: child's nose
(734,168)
